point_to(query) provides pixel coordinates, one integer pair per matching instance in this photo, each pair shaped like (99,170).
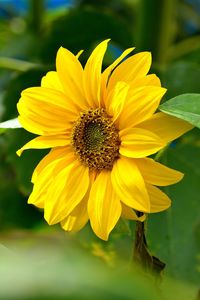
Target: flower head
(101,126)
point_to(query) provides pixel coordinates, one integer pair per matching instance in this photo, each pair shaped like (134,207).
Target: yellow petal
(150,79)
(39,192)
(128,183)
(66,192)
(165,126)
(156,173)
(130,214)
(159,200)
(51,81)
(78,217)
(106,73)
(104,206)
(141,104)
(54,155)
(79,54)
(70,73)
(43,142)
(131,69)
(92,74)
(116,99)
(45,111)
(138,143)
(45,172)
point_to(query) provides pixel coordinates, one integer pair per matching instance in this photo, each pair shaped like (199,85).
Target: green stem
(154,28)
(141,254)
(184,47)
(15,64)
(161,153)
(36,15)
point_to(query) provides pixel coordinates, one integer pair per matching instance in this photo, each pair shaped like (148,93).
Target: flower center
(95,139)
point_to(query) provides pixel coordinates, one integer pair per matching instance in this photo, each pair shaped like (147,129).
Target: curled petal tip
(19,152)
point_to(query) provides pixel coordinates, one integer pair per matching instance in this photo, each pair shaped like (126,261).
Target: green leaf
(173,235)
(185,107)
(10,124)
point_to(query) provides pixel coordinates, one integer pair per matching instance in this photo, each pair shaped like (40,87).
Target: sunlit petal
(116,100)
(52,81)
(128,183)
(104,206)
(107,72)
(141,104)
(92,74)
(45,111)
(66,192)
(158,199)
(131,69)
(43,142)
(70,73)
(130,214)
(44,174)
(157,174)
(167,127)
(137,142)
(77,218)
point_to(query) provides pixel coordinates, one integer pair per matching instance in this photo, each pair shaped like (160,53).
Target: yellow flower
(101,127)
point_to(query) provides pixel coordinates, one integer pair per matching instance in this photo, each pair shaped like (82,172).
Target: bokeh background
(30,34)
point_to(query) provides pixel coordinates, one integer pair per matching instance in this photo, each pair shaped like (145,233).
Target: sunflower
(101,127)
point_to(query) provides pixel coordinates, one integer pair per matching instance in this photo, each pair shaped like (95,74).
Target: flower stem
(155,27)
(141,254)
(36,15)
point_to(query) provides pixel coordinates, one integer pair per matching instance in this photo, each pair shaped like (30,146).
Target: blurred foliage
(70,31)
(64,270)
(87,268)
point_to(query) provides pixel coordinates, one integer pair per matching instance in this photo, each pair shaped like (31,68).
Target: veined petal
(48,96)
(45,111)
(66,192)
(104,206)
(156,173)
(129,185)
(159,200)
(44,174)
(39,192)
(116,99)
(92,74)
(130,214)
(150,79)
(52,157)
(77,219)
(106,73)
(70,74)
(167,127)
(51,81)
(131,69)
(138,143)
(43,142)
(141,104)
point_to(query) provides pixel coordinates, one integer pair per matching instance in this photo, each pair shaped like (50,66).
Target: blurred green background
(30,34)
